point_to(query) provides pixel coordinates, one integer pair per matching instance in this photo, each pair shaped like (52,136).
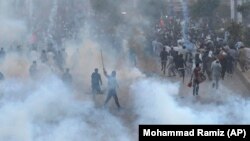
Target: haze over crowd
(45,108)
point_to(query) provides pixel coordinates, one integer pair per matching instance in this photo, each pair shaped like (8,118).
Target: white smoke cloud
(12,27)
(51,112)
(158,102)
(12,30)
(48,110)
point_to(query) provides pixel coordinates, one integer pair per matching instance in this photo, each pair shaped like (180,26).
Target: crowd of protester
(183,46)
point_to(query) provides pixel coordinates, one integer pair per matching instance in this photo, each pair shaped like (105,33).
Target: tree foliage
(204,8)
(236,32)
(149,9)
(246,36)
(105,6)
(109,11)
(244,9)
(152,9)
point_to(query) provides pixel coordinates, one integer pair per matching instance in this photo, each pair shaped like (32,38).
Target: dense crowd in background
(184,46)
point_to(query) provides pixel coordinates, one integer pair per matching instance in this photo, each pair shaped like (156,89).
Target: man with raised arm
(112,85)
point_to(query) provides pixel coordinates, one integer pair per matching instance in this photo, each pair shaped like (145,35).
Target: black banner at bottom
(220,132)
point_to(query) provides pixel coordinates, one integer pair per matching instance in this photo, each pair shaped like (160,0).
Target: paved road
(233,83)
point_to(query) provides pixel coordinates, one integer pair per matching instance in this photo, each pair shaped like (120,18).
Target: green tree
(246,36)
(152,10)
(244,9)
(105,6)
(108,12)
(236,32)
(204,8)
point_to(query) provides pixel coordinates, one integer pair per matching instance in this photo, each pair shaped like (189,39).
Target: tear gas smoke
(159,104)
(46,109)
(49,111)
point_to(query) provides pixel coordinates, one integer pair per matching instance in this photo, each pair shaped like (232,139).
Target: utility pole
(236,15)
(232,4)
(239,14)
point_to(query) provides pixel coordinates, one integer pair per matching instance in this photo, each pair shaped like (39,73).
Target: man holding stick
(112,86)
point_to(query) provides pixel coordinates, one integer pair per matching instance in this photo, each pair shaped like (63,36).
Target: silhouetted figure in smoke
(64,55)
(33,47)
(132,57)
(51,48)
(164,59)
(196,77)
(59,60)
(112,85)
(19,49)
(67,77)
(44,57)
(33,70)
(2,53)
(96,81)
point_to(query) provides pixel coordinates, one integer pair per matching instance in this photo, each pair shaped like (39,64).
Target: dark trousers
(163,66)
(112,93)
(195,87)
(182,73)
(230,69)
(223,72)
(96,89)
